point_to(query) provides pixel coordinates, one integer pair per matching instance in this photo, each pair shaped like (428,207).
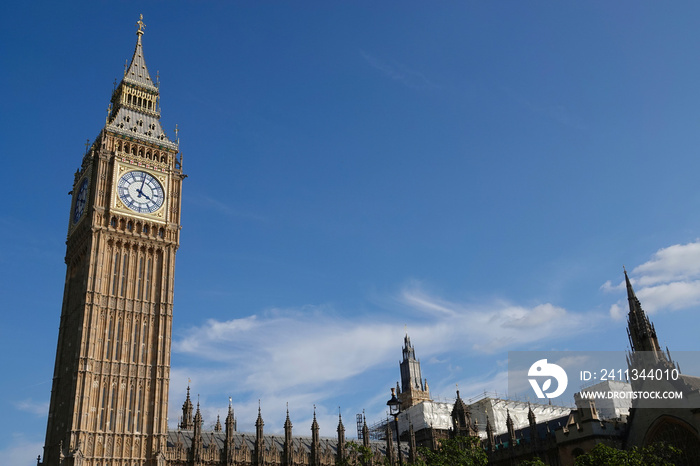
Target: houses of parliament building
(109,396)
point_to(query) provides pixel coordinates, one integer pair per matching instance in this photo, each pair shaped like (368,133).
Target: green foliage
(356,455)
(658,454)
(532,462)
(461,451)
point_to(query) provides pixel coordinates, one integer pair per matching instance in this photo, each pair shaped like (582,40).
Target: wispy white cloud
(680,262)
(670,296)
(315,354)
(399,72)
(670,281)
(34,407)
(487,327)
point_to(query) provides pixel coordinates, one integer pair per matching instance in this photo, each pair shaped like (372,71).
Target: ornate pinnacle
(141,25)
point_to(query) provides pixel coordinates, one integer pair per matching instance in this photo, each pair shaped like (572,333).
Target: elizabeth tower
(109,399)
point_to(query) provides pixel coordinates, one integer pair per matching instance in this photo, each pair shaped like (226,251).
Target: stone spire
(288,442)
(259,440)
(414,389)
(365,432)
(197,441)
(490,441)
(217,426)
(134,110)
(412,450)
(187,423)
(390,444)
(340,453)
(645,350)
(137,73)
(511,429)
(532,421)
(641,333)
(230,418)
(315,442)
(461,419)
(230,423)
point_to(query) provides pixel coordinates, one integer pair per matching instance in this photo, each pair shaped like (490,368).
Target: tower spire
(644,345)
(641,332)
(511,428)
(315,442)
(135,101)
(259,453)
(137,73)
(340,451)
(414,389)
(187,422)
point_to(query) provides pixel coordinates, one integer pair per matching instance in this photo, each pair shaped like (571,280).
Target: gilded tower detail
(109,396)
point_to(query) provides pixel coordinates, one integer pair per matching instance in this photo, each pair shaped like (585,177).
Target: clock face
(140,192)
(80,200)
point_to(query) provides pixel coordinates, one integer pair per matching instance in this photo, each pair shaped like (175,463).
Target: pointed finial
(109,110)
(229,402)
(157,78)
(141,25)
(126,66)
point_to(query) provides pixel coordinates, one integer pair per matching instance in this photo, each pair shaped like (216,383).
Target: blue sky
(474,172)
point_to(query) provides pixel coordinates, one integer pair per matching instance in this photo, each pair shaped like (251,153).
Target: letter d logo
(542,368)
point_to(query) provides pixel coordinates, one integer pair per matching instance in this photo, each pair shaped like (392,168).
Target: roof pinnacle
(141,26)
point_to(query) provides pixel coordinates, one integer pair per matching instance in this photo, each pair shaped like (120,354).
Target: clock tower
(109,399)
